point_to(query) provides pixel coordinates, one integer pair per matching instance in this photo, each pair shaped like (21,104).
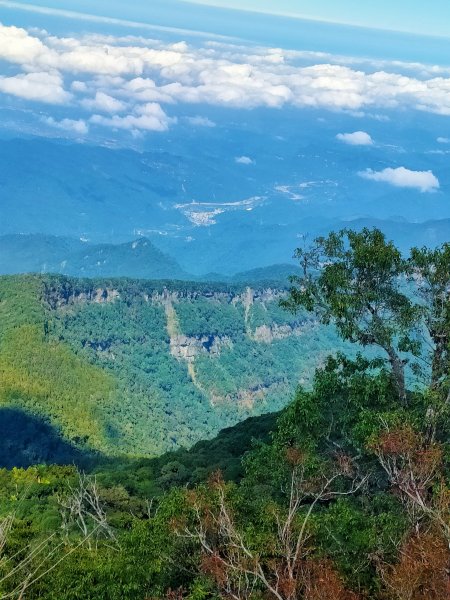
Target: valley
(137,368)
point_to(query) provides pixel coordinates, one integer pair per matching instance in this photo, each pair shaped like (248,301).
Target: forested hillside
(342,495)
(123,367)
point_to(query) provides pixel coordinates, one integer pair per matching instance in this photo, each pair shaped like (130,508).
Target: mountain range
(211,197)
(141,259)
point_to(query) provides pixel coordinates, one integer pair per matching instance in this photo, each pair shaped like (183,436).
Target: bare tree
(286,569)
(82,511)
(413,467)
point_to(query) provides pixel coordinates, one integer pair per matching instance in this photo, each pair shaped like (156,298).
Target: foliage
(359,281)
(95,360)
(344,495)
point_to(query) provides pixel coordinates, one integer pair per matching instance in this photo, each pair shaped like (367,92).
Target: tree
(430,273)
(82,510)
(283,569)
(414,470)
(361,283)
(421,572)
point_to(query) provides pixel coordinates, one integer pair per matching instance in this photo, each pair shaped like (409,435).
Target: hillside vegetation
(123,367)
(343,495)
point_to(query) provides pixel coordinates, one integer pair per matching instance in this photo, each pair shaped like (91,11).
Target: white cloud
(225,74)
(244,160)
(439,152)
(145,90)
(17,46)
(425,181)
(200,121)
(104,103)
(108,74)
(443,140)
(79,86)
(39,87)
(358,138)
(149,117)
(79,126)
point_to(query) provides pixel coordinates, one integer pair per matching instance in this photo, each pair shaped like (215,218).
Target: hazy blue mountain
(140,259)
(272,273)
(50,254)
(35,253)
(430,233)
(187,193)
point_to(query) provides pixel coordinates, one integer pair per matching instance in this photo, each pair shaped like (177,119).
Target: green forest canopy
(347,498)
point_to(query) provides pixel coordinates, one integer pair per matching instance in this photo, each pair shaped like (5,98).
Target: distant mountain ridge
(141,259)
(37,253)
(406,234)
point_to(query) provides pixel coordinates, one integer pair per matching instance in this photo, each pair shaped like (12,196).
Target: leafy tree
(375,297)
(430,270)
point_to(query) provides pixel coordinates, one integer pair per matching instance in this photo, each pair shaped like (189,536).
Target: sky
(132,75)
(413,16)
(90,78)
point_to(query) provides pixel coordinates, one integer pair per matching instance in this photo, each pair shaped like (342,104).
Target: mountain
(132,367)
(405,235)
(35,253)
(188,194)
(138,259)
(51,254)
(279,273)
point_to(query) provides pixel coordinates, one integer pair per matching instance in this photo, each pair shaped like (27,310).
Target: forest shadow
(26,440)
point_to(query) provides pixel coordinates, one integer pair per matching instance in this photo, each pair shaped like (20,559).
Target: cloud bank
(425,181)
(39,86)
(79,127)
(358,138)
(110,81)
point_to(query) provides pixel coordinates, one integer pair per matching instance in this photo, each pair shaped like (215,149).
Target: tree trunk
(398,371)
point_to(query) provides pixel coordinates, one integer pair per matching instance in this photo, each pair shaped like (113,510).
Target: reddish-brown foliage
(427,461)
(323,582)
(216,480)
(213,566)
(294,456)
(345,464)
(422,572)
(397,442)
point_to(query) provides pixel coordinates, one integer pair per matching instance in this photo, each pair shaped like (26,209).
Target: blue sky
(321,35)
(402,15)
(413,16)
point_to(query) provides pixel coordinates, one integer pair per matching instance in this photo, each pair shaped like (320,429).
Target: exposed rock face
(70,293)
(68,297)
(266,334)
(187,348)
